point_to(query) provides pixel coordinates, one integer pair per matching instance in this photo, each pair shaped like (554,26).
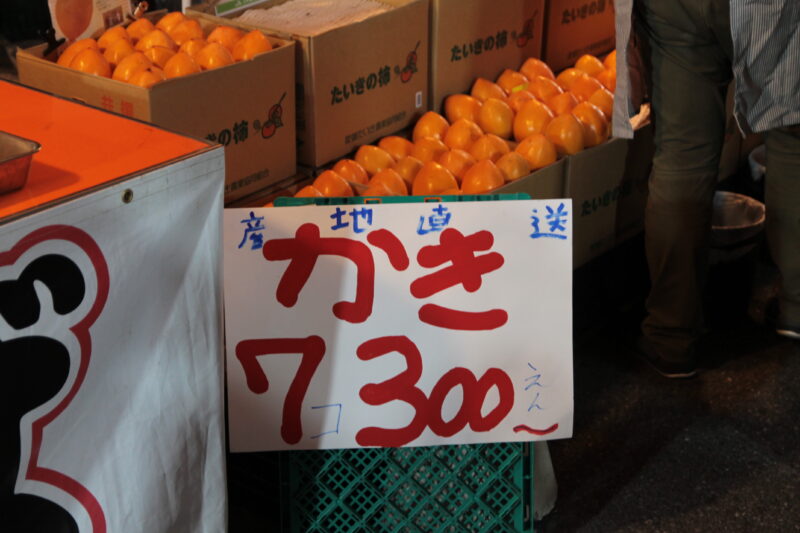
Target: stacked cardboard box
(358,82)
(476,38)
(577,27)
(232,105)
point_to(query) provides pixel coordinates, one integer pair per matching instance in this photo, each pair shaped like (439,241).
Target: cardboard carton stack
(577,27)
(230,105)
(476,38)
(358,79)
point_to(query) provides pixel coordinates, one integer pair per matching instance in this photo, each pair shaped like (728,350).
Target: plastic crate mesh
(479,488)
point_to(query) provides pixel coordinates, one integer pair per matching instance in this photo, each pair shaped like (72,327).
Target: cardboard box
(545,183)
(358,82)
(476,38)
(577,27)
(608,187)
(230,105)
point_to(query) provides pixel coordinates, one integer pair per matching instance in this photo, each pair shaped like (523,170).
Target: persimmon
(603,99)
(458,106)
(610,61)
(72,50)
(433,178)
(461,134)
(489,146)
(155,38)
(139,28)
(482,177)
(110,35)
(532,118)
(392,180)
(227,36)
(408,167)
(584,88)
(351,171)
(130,65)
(192,46)
(181,64)
(117,51)
(511,80)
(496,117)
(566,133)
(517,99)
(609,79)
(251,45)
(147,77)
(562,103)
(378,189)
(568,76)
(159,55)
(533,67)
(213,55)
(186,30)
(91,61)
(373,159)
(537,150)
(309,191)
(482,89)
(331,184)
(428,148)
(170,20)
(595,125)
(514,166)
(544,88)
(589,64)
(398,147)
(431,124)
(457,162)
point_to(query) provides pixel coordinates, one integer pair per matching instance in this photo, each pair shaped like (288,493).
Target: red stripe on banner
(35,472)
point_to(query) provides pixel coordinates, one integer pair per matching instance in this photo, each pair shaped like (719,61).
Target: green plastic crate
(486,488)
(480,488)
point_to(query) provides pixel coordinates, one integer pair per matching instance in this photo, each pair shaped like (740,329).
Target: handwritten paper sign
(398,324)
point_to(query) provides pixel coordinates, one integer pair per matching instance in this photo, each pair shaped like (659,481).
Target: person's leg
(690,66)
(782,196)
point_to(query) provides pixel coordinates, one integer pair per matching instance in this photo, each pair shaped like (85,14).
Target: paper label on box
(79,19)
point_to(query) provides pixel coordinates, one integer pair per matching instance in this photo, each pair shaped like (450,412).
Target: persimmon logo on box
(381,77)
(239,131)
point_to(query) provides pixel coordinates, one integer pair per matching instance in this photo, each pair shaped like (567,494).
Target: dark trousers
(689,52)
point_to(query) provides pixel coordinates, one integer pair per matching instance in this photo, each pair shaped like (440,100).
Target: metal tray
(16,154)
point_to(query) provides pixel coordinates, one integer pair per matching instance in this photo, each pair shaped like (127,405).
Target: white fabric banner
(111,357)
(404,324)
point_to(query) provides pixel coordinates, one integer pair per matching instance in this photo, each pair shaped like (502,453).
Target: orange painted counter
(82,147)
(111,371)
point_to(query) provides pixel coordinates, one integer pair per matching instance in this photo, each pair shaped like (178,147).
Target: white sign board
(404,324)
(111,358)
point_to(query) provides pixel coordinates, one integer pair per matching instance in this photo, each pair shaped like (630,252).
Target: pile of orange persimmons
(500,132)
(144,53)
